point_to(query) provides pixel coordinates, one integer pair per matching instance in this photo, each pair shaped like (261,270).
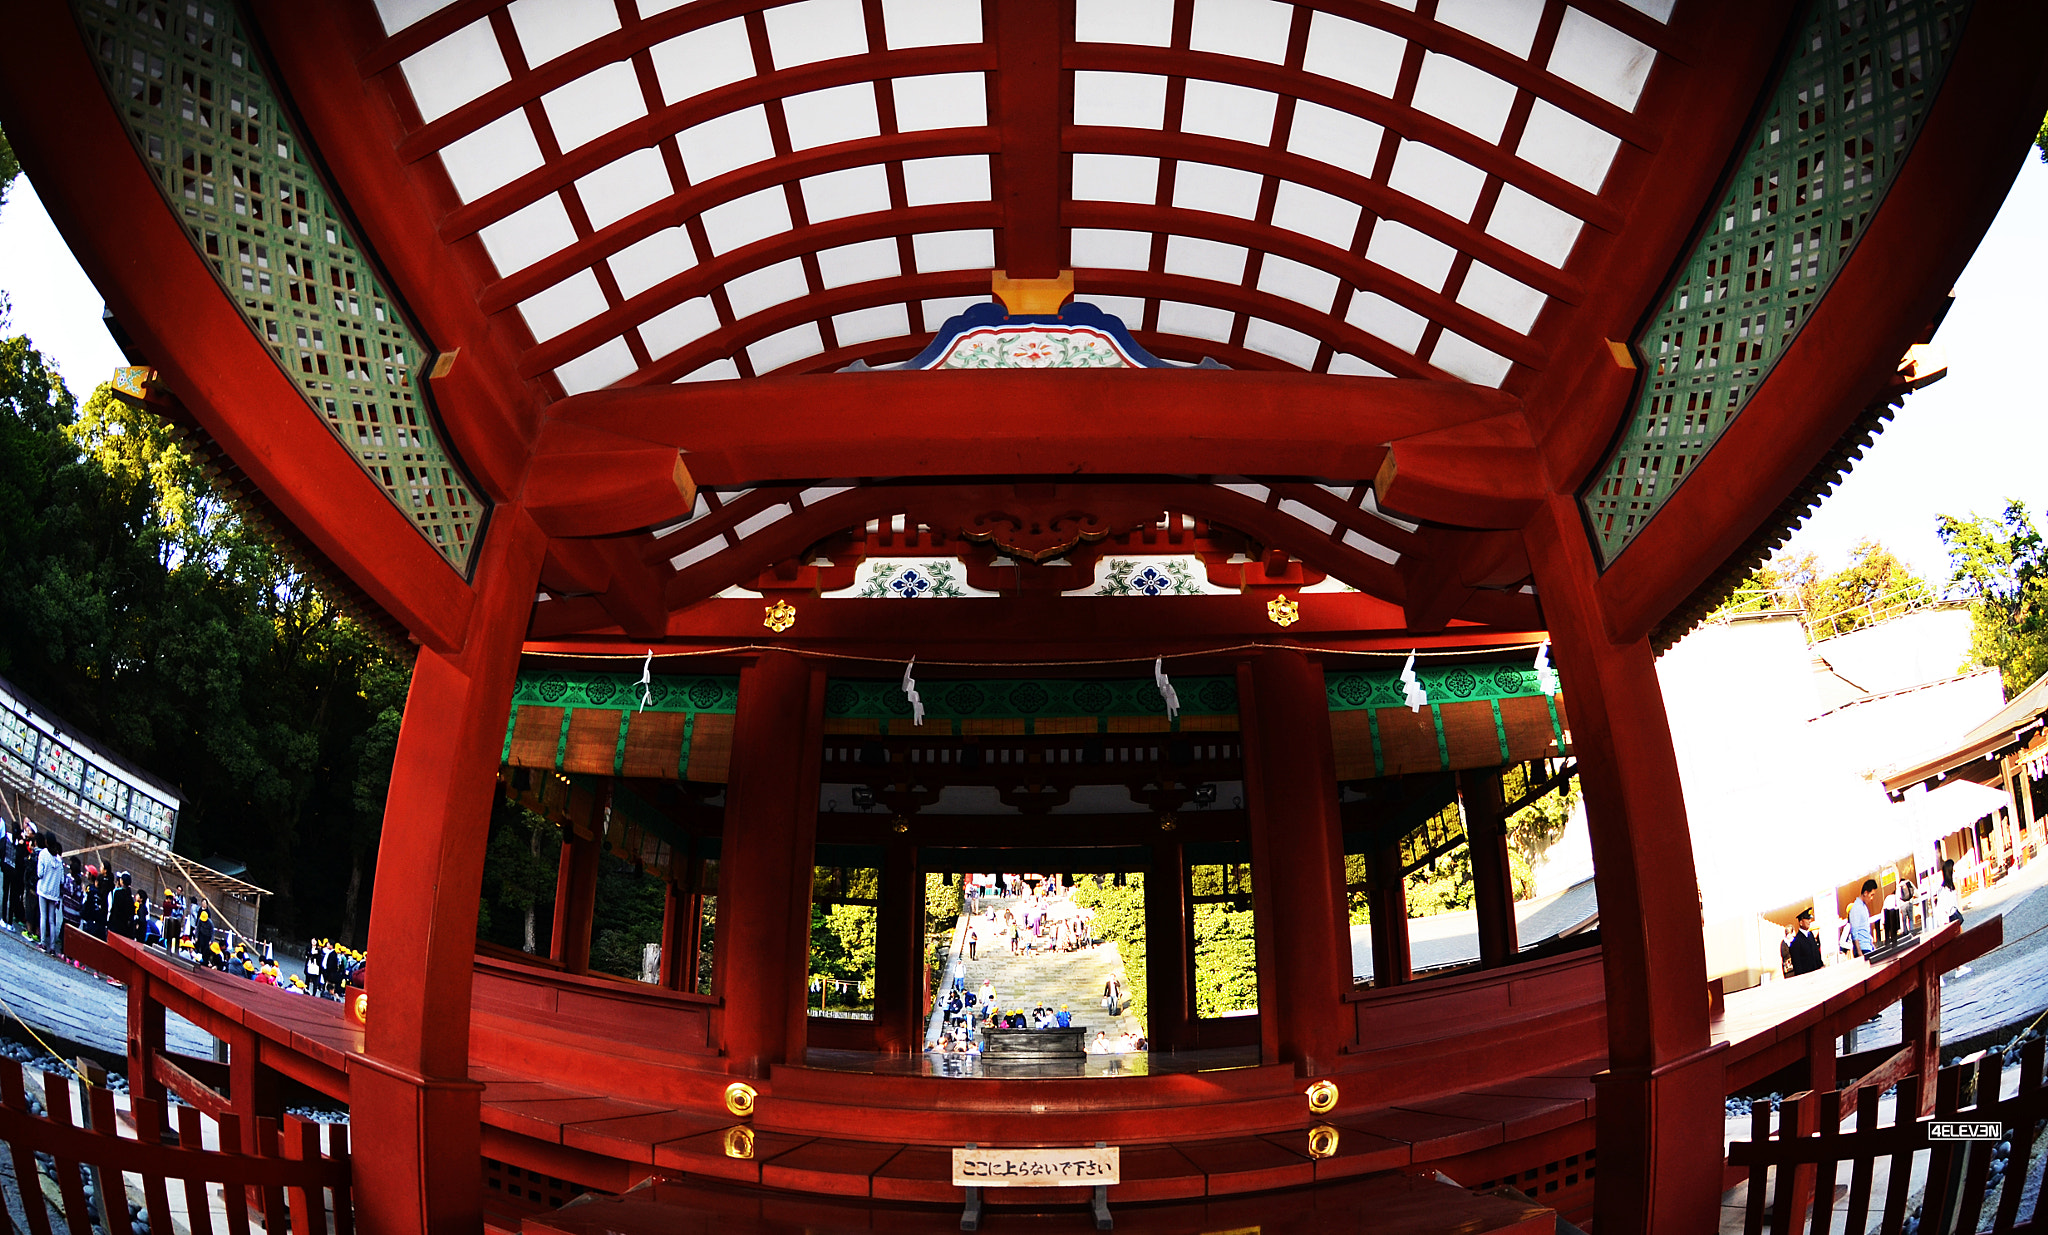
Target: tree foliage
(2001,567)
(135,604)
(626,917)
(10,167)
(1873,584)
(1120,919)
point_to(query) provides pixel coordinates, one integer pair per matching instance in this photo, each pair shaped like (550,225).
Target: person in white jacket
(50,896)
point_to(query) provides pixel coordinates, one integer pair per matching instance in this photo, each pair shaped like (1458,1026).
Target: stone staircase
(1046,976)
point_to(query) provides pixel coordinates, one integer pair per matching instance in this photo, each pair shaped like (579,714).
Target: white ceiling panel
(1344,364)
(1116,178)
(1217,109)
(1335,137)
(1567,147)
(1195,321)
(1218,190)
(1461,357)
(464,66)
(572,302)
(594,104)
(623,187)
(551,28)
(1507,24)
(398,14)
(1130,310)
(847,192)
(1384,320)
(961,250)
(1437,179)
(726,143)
(1205,259)
(858,263)
(1312,212)
(1256,29)
(717,371)
(1533,225)
(1281,343)
(951,178)
(1598,58)
(1122,100)
(655,259)
(679,326)
(1303,284)
(1148,23)
(767,287)
(936,311)
(597,368)
(785,347)
(813,30)
(1405,251)
(492,157)
(1301,510)
(1455,92)
(744,220)
(691,64)
(523,238)
(931,23)
(1510,302)
(1352,52)
(1117,250)
(941,101)
(839,114)
(882,321)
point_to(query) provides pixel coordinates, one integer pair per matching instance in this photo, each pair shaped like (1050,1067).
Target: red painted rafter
(1029,89)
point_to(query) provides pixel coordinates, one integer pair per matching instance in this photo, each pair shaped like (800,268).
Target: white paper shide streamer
(1166,691)
(1546,677)
(910,693)
(1411,686)
(646,682)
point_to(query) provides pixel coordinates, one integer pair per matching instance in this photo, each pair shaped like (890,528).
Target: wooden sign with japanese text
(1036,1168)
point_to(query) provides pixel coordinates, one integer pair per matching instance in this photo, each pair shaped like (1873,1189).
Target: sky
(1964,445)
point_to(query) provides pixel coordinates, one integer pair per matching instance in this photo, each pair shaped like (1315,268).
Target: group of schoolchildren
(43,889)
(969,1012)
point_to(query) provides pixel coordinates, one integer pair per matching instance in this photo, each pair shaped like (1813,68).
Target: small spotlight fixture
(863,797)
(1205,795)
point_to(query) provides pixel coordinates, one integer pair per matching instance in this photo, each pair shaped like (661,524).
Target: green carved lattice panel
(1029,699)
(209,127)
(1351,691)
(1841,122)
(622,691)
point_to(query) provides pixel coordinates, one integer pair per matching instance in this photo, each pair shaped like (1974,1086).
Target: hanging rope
(739,649)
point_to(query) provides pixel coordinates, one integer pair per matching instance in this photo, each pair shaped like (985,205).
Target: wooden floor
(1387,1203)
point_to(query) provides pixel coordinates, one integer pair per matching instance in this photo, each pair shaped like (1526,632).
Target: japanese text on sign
(1042,1168)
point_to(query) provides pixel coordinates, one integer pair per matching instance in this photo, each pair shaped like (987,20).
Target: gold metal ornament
(1322,1141)
(779,616)
(1167,822)
(739,1099)
(362,1008)
(739,1142)
(1322,1097)
(900,825)
(1283,610)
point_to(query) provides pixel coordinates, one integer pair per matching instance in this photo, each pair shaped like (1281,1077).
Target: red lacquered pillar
(899,930)
(1387,896)
(414,1109)
(576,892)
(764,866)
(1169,959)
(1493,884)
(1660,1121)
(1304,942)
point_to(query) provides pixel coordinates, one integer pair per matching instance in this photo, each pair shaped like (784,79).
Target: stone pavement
(59,1000)
(1049,977)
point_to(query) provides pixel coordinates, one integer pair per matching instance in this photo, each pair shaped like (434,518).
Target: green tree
(1120,919)
(1871,585)
(10,167)
(626,916)
(520,865)
(2001,567)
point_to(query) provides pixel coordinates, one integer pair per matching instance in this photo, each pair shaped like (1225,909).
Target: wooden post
(1304,941)
(1493,885)
(145,1040)
(899,932)
(1660,1114)
(415,1114)
(764,868)
(576,892)
(1169,958)
(1386,895)
(1920,1030)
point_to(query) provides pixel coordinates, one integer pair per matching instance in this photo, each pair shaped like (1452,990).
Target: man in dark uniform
(1805,945)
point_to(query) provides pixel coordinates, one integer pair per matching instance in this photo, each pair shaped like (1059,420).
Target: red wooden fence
(293,1179)
(1958,1179)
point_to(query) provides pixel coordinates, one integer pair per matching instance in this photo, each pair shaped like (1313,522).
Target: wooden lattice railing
(1788,1169)
(292,1178)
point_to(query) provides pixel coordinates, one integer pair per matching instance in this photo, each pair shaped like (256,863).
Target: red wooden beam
(1978,131)
(1031,99)
(157,285)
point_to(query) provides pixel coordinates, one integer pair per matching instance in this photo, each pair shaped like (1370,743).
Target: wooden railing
(1788,1169)
(294,1178)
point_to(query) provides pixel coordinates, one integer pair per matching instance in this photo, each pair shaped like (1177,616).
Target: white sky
(1963,445)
